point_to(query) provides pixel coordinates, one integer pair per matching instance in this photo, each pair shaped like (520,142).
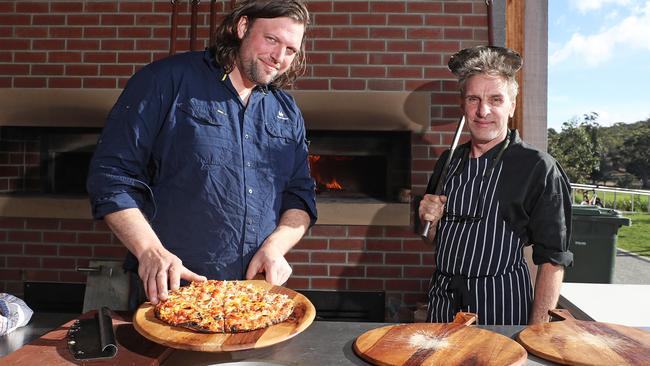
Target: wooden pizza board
(146,323)
(438,344)
(577,342)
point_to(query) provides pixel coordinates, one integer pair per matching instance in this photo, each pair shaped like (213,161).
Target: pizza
(223,307)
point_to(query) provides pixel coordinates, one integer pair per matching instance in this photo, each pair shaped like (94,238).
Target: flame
(334,185)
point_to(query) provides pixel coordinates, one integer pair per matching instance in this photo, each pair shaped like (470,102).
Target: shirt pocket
(281,147)
(204,134)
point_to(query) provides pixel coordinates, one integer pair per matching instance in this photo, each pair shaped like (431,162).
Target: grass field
(636,238)
(624,201)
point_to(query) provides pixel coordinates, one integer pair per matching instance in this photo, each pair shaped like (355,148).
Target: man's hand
(157,268)
(432,208)
(271,262)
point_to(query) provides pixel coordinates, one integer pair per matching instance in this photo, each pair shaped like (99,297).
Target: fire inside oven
(349,176)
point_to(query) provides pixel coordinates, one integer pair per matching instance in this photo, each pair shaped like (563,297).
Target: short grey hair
(487,60)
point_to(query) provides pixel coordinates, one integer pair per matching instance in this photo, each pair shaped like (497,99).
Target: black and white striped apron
(480,265)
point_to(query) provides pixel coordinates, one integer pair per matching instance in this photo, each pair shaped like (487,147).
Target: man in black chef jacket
(500,194)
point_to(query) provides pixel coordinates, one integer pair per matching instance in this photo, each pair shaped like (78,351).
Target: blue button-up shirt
(211,174)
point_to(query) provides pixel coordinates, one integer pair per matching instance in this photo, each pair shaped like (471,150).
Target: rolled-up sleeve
(300,192)
(549,228)
(117,177)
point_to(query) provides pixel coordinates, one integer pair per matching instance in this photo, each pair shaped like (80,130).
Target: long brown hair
(227,43)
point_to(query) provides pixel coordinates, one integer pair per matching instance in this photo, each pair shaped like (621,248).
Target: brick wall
(353,45)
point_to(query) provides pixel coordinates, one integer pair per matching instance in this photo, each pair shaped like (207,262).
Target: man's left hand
(271,262)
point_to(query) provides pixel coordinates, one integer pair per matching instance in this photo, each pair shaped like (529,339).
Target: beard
(251,68)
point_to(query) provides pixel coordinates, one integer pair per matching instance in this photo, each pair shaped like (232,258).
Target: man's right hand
(432,208)
(157,268)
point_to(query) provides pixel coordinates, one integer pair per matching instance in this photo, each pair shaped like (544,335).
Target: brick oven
(377,98)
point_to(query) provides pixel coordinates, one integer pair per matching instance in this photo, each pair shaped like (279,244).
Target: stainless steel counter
(323,344)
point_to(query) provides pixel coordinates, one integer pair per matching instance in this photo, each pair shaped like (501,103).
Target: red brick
(101,226)
(350,58)
(458,33)
(14,70)
(346,271)
(298,283)
(31,7)
(330,71)
(368,45)
(319,58)
(411,20)
(99,83)
(32,57)
(309,270)
(366,284)
(365,231)
(153,44)
(458,7)
(77,225)
(66,7)
(48,19)
(365,258)
(23,262)
(59,237)
(328,283)
(30,32)
(100,57)
(12,223)
(83,19)
(384,271)
(296,256)
(122,70)
(109,252)
(64,57)
(151,19)
(10,274)
(58,263)
(385,85)
(40,249)
(384,245)
(81,70)
(396,231)
(368,72)
(66,32)
(134,57)
(75,251)
(48,44)
(332,19)
(387,33)
(442,20)
(348,84)
(327,257)
(308,243)
(134,33)
(120,19)
(345,32)
(416,245)
(47,276)
(404,46)
(328,231)
(15,19)
(347,244)
(100,32)
(25,236)
(30,82)
(424,7)
(136,7)
(332,45)
(405,72)
(64,83)
(386,59)
(368,19)
(117,44)
(402,258)
(312,84)
(429,260)
(83,44)
(387,7)
(47,69)
(425,33)
(50,224)
(94,238)
(424,272)
(11,248)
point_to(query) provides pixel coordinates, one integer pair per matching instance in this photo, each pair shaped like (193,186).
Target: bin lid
(599,213)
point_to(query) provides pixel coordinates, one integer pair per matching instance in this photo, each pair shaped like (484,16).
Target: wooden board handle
(560,314)
(465,318)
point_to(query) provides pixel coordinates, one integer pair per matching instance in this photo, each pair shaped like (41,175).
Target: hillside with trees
(618,155)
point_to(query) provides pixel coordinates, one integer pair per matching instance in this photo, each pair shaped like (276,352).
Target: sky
(599,60)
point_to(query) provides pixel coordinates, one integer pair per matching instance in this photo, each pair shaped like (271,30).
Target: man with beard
(201,169)
(500,195)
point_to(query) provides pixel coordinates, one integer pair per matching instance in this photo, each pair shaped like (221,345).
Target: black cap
(459,60)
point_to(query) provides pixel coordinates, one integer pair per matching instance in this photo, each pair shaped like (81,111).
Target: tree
(576,147)
(635,154)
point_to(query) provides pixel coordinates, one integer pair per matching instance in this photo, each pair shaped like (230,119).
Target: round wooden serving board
(437,344)
(577,342)
(146,323)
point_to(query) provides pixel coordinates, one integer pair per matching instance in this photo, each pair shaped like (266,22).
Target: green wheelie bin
(593,243)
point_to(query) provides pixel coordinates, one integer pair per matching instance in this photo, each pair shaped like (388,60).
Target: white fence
(604,190)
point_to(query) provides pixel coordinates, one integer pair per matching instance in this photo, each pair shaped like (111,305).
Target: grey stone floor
(631,269)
